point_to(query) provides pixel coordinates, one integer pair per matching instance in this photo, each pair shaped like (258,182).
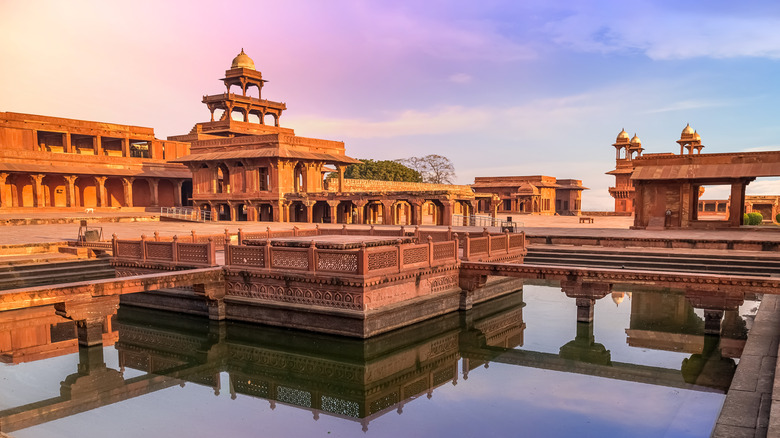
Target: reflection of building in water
(37,333)
(347,378)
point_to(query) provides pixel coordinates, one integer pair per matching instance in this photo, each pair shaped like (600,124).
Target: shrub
(777,218)
(754,218)
(745,219)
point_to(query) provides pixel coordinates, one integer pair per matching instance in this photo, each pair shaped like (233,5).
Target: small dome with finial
(636,141)
(688,130)
(696,135)
(243,61)
(622,136)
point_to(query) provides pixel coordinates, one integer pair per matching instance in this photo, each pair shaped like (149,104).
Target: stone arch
(115,192)
(373,212)
(344,212)
(321,212)
(142,195)
(432,212)
(86,191)
(265,212)
(55,191)
(299,178)
(274,119)
(298,212)
(223,179)
(166,193)
(401,211)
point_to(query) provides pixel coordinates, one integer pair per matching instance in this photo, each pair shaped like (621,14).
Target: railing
(438,247)
(173,251)
(358,261)
(485,221)
(493,247)
(186,214)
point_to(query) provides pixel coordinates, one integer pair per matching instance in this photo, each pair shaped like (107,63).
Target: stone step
(688,263)
(735,259)
(55,266)
(42,280)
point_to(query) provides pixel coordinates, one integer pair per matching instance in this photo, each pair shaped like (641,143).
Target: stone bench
(586,219)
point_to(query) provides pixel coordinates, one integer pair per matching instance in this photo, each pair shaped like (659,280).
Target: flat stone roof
(331,241)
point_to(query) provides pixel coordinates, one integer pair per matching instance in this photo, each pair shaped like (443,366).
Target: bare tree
(435,169)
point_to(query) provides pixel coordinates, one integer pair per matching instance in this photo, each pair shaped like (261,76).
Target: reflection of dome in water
(243,61)
(617,297)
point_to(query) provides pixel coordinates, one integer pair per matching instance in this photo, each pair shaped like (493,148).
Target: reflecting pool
(520,365)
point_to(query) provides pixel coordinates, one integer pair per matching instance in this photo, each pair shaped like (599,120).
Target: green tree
(383,170)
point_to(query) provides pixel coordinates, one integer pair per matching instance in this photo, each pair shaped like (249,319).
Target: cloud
(666,34)
(460,78)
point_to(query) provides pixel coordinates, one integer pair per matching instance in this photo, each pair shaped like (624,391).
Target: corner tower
(237,112)
(623,191)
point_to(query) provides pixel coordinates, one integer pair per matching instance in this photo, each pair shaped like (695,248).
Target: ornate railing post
(156,236)
(362,259)
(211,252)
(430,251)
(449,233)
(143,247)
(506,235)
(344,229)
(267,232)
(466,246)
(399,251)
(267,254)
(457,244)
(317,231)
(371,231)
(240,236)
(312,256)
(175,249)
(227,237)
(193,236)
(114,245)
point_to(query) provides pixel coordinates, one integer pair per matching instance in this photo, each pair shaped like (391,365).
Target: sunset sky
(499,87)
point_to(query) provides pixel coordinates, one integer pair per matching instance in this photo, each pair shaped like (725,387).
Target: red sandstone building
(63,163)
(537,194)
(245,166)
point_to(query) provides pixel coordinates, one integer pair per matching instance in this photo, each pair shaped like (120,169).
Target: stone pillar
(153,185)
(4,202)
(449,206)
(737,203)
(685,205)
(89,317)
(334,211)
(309,205)
(102,199)
(177,201)
(585,309)
(40,196)
(712,320)
(128,185)
(66,146)
(341,178)
(360,205)
(416,211)
(97,145)
(70,195)
(125,147)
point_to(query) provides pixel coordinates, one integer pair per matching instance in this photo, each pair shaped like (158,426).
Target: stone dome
(243,61)
(635,140)
(623,135)
(688,130)
(696,136)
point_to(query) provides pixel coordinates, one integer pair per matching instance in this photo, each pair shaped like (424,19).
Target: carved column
(449,206)
(40,198)
(153,184)
(334,211)
(341,178)
(416,211)
(4,202)
(125,147)
(101,191)
(177,201)
(128,185)
(97,145)
(309,210)
(66,146)
(70,195)
(360,205)
(387,212)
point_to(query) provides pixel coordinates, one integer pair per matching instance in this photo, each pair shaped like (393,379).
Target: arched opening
(223,179)
(115,192)
(219,114)
(142,195)
(241,212)
(373,212)
(464,208)
(21,190)
(55,191)
(321,212)
(266,213)
(86,192)
(254,117)
(237,115)
(297,212)
(271,119)
(346,212)
(166,193)
(253,90)
(223,212)
(299,178)
(432,212)
(402,213)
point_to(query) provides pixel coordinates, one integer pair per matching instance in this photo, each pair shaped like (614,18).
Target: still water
(520,365)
